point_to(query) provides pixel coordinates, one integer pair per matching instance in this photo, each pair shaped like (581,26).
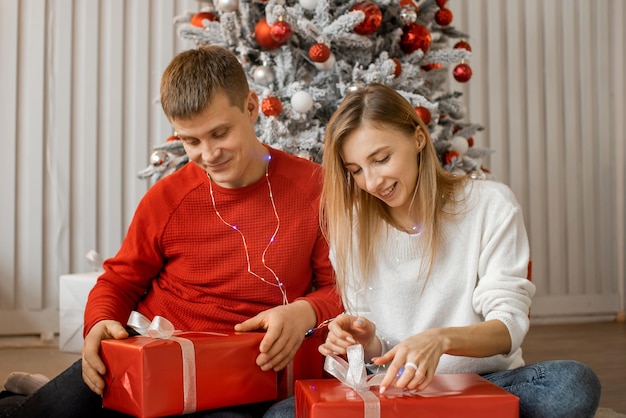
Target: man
(231,241)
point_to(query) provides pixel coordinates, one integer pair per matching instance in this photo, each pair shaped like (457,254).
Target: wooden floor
(602,346)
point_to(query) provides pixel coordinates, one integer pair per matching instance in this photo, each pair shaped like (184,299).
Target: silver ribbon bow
(162,328)
(353,373)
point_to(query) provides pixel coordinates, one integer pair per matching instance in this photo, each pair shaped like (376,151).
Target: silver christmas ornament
(94,259)
(263,75)
(478,174)
(228,5)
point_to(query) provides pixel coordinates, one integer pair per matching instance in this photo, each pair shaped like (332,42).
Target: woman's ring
(411,365)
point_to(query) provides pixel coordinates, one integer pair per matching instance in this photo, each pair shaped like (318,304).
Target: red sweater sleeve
(127,276)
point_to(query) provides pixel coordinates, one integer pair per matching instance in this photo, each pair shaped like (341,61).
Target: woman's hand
(418,356)
(347,330)
(413,361)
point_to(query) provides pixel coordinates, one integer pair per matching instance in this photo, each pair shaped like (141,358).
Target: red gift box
(308,363)
(149,377)
(449,395)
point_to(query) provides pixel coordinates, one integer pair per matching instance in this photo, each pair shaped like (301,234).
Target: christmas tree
(304,56)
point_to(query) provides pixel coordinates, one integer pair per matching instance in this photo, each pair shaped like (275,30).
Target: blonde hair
(193,78)
(348,211)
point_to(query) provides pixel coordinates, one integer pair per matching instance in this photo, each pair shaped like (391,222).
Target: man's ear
(252,103)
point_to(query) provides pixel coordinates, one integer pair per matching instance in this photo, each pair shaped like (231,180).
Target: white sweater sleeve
(503,291)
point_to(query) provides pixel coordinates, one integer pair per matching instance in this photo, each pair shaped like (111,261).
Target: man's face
(222,141)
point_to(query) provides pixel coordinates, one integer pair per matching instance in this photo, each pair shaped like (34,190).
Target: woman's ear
(420,138)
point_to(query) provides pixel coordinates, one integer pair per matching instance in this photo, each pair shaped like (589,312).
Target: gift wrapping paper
(308,363)
(449,395)
(150,377)
(354,394)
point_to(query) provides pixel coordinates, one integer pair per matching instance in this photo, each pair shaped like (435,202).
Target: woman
(431,266)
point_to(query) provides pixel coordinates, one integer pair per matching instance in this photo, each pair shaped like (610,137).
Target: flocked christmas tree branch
(304,56)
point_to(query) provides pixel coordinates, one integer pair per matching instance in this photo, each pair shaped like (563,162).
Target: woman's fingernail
(350,339)
(382,389)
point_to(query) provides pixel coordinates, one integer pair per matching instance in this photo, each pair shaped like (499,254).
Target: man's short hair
(192,79)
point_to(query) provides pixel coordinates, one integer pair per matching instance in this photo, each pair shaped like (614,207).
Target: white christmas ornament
(356,86)
(228,5)
(459,144)
(308,4)
(408,15)
(263,75)
(302,102)
(158,158)
(326,65)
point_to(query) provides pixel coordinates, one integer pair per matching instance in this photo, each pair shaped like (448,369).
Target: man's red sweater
(180,261)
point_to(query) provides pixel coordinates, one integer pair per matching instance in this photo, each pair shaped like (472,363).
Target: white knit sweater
(479,274)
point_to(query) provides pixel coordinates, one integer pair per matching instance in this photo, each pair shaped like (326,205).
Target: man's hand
(285,327)
(93,367)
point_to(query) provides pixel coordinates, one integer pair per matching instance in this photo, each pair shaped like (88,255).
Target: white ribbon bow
(162,328)
(353,373)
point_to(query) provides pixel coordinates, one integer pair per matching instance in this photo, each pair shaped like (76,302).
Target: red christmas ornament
(198,18)
(263,36)
(172,138)
(280,31)
(470,142)
(414,37)
(450,156)
(441,3)
(431,66)
(463,45)
(443,16)
(424,114)
(462,73)
(398,70)
(373,18)
(319,52)
(271,106)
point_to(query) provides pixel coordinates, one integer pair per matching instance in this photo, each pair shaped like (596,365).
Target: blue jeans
(550,389)
(67,396)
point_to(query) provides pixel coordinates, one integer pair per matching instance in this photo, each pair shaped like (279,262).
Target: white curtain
(79,83)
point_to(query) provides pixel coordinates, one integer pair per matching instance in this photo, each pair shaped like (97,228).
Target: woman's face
(383,162)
